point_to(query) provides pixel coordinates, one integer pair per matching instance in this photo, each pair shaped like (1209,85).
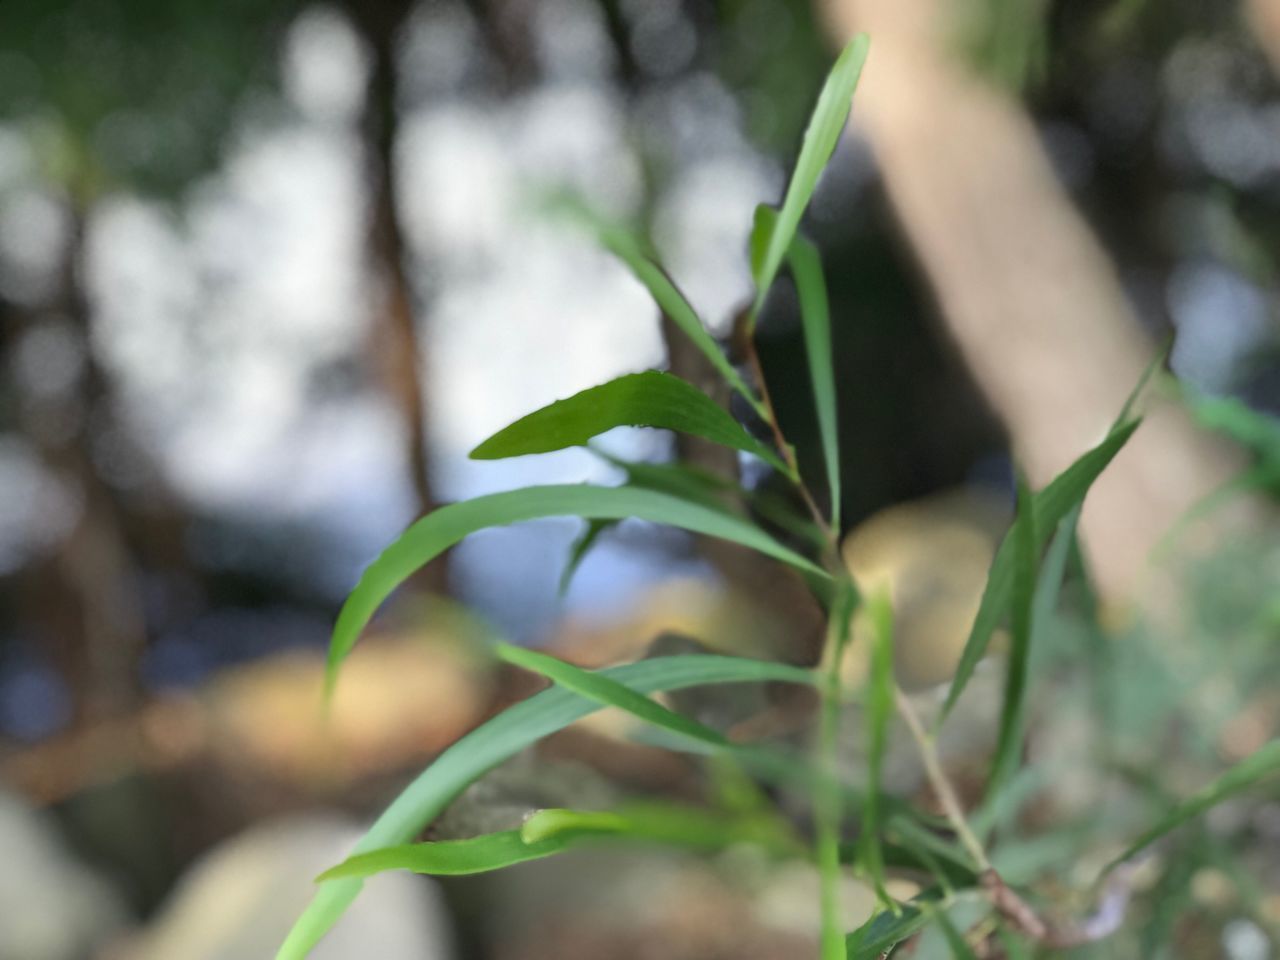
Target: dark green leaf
(443,528)
(579,549)
(960,949)
(1256,767)
(650,399)
(499,739)
(820,141)
(1051,504)
(815,314)
(875,938)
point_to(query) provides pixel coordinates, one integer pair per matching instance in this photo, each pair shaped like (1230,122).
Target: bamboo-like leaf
(450,858)
(1258,766)
(674,305)
(499,739)
(649,399)
(609,692)
(959,947)
(579,549)
(1025,555)
(815,315)
(879,708)
(820,139)
(443,528)
(884,931)
(1051,504)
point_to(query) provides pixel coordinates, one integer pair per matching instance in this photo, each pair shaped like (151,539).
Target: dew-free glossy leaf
(649,399)
(500,739)
(443,528)
(820,139)
(1050,505)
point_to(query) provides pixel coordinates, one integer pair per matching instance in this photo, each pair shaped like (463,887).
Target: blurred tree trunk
(398,337)
(1031,300)
(83,597)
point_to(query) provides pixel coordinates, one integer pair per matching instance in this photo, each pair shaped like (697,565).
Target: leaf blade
(649,399)
(448,525)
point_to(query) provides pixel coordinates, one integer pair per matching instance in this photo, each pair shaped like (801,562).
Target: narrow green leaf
(450,858)
(579,549)
(815,314)
(820,141)
(884,931)
(500,739)
(1258,766)
(609,692)
(959,947)
(1051,504)
(673,304)
(1025,563)
(443,528)
(679,480)
(649,399)
(879,708)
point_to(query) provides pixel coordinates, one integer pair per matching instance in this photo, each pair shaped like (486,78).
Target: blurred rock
(239,901)
(51,907)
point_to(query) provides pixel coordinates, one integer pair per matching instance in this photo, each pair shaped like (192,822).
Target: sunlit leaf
(1051,504)
(499,739)
(820,139)
(1258,766)
(650,399)
(443,528)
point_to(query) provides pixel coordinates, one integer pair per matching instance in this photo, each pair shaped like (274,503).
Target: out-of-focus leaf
(672,303)
(1258,766)
(579,549)
(1025,563)
(879,708)
(679,480)
(1051,504)
(875,938)
(499,739)
(960,949)
(820,139)
(815,314)
(649,399)
(443,528)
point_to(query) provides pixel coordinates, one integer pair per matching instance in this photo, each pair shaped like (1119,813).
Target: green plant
(1022,588)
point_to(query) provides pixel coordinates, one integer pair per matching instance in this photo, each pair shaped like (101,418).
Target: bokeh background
(270,269)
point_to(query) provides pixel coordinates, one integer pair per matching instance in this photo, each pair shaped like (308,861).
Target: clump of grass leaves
(1023,585)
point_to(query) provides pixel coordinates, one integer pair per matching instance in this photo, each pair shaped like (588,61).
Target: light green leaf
(1051,504)
(815,314)
(673,304)
(443,528)
(879,708)
(650,399)
(609,692)
(959,947)
(499,739)
(1258,766)
(450,858)
(820,141)
(1025,564)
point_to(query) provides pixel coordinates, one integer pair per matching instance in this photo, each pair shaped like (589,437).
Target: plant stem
(941,783)
(828,810)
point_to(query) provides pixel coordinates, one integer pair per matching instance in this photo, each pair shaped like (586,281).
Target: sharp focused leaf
(1051,504)
(1009,740)
(672,303)
(875,938)
(820,139)
(1256,767)
(650,399)
(450,858)
(443,528)
(815,314)
(499,739)
(609,692)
